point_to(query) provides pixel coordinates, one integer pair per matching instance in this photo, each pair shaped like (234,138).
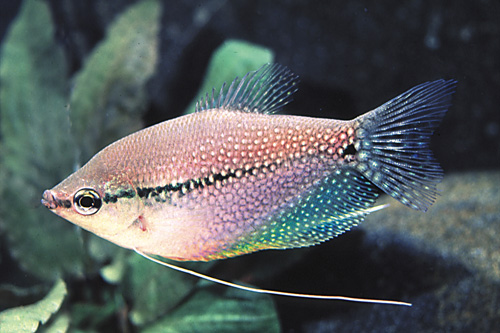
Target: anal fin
(333,206)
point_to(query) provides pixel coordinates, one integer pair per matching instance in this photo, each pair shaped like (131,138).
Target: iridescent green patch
(334,206)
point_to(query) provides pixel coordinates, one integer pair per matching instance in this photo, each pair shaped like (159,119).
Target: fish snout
(49,200)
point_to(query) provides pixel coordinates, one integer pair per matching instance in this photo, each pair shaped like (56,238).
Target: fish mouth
(51,201)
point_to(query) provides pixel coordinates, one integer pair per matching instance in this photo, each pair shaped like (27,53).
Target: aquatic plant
(48,129)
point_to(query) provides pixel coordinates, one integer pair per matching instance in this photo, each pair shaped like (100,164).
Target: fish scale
(275,158)
(234,178)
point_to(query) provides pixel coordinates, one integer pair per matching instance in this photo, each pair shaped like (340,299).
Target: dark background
(351,56)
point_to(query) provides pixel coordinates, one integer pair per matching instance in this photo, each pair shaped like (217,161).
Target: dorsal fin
(265,90)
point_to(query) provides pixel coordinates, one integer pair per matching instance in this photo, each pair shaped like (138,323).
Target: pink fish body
(233,178)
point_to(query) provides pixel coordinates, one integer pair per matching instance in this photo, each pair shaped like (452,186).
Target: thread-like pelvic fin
(272,292)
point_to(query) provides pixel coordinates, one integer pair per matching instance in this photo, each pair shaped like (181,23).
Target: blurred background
(351,57)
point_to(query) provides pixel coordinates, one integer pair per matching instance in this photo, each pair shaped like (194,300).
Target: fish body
(234,178)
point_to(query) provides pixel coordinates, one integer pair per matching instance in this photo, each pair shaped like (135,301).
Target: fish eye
(87,201)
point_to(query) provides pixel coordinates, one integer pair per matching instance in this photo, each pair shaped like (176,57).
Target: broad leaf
(157,289)
(109,94)
(59,325)
(28,318)
(37,147)
(215,308)
(233,58)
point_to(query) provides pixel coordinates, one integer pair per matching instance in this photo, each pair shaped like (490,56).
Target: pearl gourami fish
(234,178)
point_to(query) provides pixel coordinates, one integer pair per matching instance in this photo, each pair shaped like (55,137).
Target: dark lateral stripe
(112,198)
(182,188)
(190,185)
(63,203)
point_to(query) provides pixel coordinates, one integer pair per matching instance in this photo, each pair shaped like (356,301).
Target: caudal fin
(393,143)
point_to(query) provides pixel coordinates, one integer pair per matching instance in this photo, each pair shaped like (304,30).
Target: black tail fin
(393,143)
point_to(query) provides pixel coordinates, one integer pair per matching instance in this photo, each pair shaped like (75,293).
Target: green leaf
(91,316)
(215,308)
(114,272)
(109,94)
(12,296)
(233,58)
(28,318)
(37,150)
(60,324)
(156,289)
